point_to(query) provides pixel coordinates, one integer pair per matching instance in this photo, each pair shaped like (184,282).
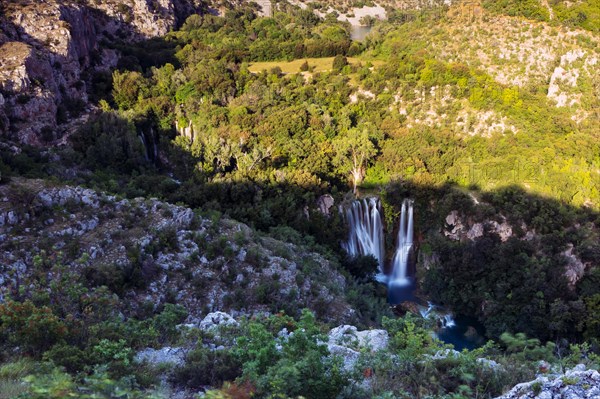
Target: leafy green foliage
(298,368)
(530,8)
(110,142)
(55,384)
(260,147)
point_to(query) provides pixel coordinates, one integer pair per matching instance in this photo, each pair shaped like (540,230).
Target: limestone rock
(174,261)
(456,227)
(346,335)
(324,204)
(48,47)
(576,383)
(575,268)
(459,229)
(374,339)
(349,356)
(217,319)
(166,355)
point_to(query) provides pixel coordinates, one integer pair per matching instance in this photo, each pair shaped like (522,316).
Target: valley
(235,200)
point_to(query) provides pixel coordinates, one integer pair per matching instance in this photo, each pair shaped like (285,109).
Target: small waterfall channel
(150,146)
(443,319)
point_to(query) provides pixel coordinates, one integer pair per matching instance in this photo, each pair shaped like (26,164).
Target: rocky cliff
(46,48)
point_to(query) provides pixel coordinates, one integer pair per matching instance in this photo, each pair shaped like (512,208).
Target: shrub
(207,367)
(339,62)
(166,322)
(33,328)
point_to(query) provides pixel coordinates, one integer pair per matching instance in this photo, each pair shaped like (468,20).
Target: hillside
(234,200)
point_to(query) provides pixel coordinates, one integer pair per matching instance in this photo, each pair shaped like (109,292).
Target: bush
(300,368)
(166,322)
(339,62)
(361,266)
(207,367)
(33,328)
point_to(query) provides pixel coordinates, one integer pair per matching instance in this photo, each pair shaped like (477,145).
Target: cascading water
(426,311)
(404,245)
(448,321)
(443,318)
(366,230)
(150,145)
(364,218)
(366,237)
(143,141)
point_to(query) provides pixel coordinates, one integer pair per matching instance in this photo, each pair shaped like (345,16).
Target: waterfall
(143,141)
(150,147)
(426,311)
(444,319)
(448,321)
(403,245)
(366,230)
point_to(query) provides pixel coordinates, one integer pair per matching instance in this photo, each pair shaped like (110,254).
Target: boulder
(374,339)
(217,319)
(166,355)
(349,356)
(348,336)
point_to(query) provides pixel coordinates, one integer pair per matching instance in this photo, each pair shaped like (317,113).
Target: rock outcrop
(48,47)
(346,341)
(459,229)
(166,355)
(217,319)
(577,383)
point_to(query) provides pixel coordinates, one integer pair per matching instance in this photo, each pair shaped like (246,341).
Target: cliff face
(47,46)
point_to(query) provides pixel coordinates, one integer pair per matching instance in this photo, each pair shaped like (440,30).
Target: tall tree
(353,152)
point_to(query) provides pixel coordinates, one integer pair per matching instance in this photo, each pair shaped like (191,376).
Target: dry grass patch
(316,64)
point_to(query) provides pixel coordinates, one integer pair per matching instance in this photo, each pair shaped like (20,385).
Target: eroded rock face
(459,229)
(575,267)
(47,46)
(324,204)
